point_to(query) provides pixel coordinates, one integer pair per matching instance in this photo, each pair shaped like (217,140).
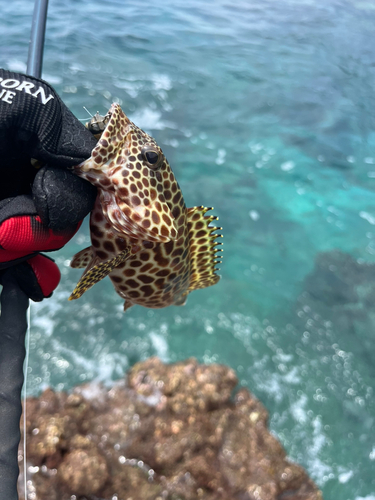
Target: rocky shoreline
(166,432)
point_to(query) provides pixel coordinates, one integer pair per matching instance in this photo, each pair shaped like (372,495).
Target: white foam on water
(161,82)
(106,367)
(160,345)
(287,165)
(298,409)
(150,119)
(16,65)
(345,476)
(368,497)
(319,470)
(370,218)
(92,391)
(254,215)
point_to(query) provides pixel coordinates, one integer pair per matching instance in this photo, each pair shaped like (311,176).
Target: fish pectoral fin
(204,249)
(82,258)
(97,272)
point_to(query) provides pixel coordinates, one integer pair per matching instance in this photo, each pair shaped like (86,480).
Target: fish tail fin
(204,249)
(96,272)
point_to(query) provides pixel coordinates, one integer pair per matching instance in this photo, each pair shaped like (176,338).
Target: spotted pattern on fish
(154,260)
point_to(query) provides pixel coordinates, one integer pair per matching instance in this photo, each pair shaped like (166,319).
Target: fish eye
(151,156)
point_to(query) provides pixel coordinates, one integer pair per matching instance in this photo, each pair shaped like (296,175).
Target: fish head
(135,182)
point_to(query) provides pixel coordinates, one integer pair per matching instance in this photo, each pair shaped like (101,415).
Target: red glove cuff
(46,272)
(25,234)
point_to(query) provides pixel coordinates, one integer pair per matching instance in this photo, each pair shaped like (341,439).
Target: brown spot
(96,231)
(161,261)
(163,273)
(102,255)
(108,245)
(145,279)
(168,247)
(148,244)
(104,143)
(177,197)
(123,191)
(121,243)
(176,212)
(167,220)
(139,184)
(177,252)
(105,181)
(145,182)
(153,193)
(147,290)
(135,263)
(116,279)
(160,282)
(146,268)
(146,223)
(174,187)
(153,181)
(133,188)
(135,150)
(129,272)
(181,220)
(164,230)
(134,294)
(144,256)
(155,217)
(158,176)
(137,175)
(132,158)
(200,234)
(95,243)
(135,200)
(167,195)
(132,283)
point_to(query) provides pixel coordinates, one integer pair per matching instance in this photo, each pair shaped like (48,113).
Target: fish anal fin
(181,301)
(82,258)
(204,249)
(97,272)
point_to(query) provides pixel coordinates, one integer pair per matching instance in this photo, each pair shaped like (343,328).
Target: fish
(154,249)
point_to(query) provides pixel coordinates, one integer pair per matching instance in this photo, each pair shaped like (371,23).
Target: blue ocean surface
(265,110)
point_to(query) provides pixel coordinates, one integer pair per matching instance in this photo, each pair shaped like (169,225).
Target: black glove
(42,203)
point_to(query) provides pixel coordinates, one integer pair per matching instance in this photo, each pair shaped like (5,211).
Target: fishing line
(24,397)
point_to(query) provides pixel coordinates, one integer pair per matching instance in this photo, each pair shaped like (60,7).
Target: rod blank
(35,58)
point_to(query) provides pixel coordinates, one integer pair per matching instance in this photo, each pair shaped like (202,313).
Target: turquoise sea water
(266,111)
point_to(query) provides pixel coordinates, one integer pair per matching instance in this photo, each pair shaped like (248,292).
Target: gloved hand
(42,203)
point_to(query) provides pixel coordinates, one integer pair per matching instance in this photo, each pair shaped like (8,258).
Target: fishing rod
(13,322)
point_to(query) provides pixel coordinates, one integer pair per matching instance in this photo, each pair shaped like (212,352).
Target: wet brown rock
(93,472)
(169,432)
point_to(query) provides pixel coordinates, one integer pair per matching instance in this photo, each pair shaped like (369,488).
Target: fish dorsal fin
(203,248)
(96,272)
(82,258)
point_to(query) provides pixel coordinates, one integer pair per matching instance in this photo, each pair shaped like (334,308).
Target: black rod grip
(13,327)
